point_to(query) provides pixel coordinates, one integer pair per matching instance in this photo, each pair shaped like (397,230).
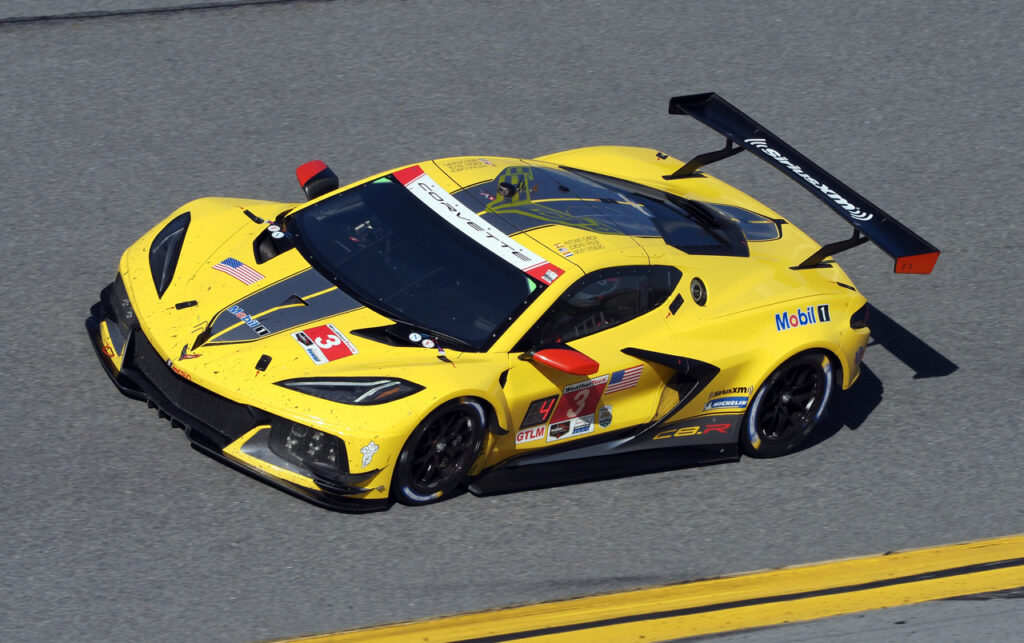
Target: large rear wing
(912,253)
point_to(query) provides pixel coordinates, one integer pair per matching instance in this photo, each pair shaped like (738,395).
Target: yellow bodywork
(736,330)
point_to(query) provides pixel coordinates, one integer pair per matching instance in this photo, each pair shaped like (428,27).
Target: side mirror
(316,179)
(564,359)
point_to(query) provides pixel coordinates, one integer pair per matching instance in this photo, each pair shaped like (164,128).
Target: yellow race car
(496,322)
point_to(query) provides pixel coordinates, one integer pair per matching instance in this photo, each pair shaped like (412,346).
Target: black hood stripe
(300,299)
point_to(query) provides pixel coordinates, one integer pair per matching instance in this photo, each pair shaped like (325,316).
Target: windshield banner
(472,225)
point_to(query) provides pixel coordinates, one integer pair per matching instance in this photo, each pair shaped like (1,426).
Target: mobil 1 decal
(579,399)
(539,412)
(802,317)
(475,227)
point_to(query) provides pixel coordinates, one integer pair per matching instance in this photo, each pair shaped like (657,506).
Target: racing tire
(788,406)
(439,453)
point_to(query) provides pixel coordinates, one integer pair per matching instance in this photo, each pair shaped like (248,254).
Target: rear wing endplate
(912,253)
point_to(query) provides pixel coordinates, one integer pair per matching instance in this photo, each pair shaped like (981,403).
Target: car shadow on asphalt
(852,407)
(907,347)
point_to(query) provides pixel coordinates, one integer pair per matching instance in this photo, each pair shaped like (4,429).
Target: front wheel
(439,453)
(787,406)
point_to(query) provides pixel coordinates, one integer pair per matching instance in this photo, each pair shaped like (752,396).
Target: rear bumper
(210,422)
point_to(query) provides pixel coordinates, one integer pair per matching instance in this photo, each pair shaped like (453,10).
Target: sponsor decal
(729,398)
(325,343)
(565,252)
(248,320)
(727,403)
(529,435)
(472,225)
(688,431)
(582,425)
(368,452)
(588,243)
(539,411)
(579,399)
(239,271)
(462,165)
(571,428)
(803,317)
(108,350)
(604,417)
(624,379)
(559,430)
(179,371)
(853,211)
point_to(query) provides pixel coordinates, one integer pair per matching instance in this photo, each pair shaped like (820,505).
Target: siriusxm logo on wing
(852,210)
(805,317)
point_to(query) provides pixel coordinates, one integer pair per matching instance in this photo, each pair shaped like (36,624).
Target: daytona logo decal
(472,225)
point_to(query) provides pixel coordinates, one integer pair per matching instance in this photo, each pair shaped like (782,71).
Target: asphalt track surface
(113,528)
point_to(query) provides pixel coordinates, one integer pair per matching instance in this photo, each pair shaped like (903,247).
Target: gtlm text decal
(851,209)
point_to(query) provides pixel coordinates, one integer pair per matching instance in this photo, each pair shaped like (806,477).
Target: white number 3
(580,399)
(333,340)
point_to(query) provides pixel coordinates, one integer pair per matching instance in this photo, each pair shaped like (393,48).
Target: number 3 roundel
(579,400)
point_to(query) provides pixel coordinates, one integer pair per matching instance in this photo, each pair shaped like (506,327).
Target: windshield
(387,249)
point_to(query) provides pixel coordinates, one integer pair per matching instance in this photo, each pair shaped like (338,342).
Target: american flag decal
(621,380)
(239,271)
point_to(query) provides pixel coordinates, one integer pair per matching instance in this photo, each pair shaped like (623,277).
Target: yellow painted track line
(738,602)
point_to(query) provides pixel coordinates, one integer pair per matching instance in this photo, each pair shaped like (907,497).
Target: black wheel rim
(791,402)
(439,458)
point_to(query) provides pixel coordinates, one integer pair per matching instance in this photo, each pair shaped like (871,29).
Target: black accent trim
(619,453)
(891,236)
(691,374)
(320,184)
(253,217)
(760,600)
(146,381)
(676,304)
(816,260)
(319,498)
(520,475)
(185,304)
(701,160)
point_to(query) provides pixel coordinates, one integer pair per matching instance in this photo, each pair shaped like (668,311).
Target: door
(601,314)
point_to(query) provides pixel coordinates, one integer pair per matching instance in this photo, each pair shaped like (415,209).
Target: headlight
(163,255)
(306,446)
(124,314)
(354,390)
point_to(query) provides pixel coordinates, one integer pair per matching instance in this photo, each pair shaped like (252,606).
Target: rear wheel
(788,406)
(439,453)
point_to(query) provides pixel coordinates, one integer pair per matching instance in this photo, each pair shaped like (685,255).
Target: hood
(232,311)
